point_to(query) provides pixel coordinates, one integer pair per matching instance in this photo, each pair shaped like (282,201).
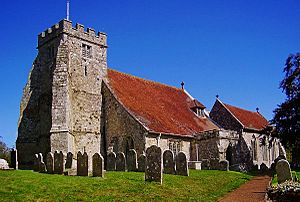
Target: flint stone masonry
(120,162)
(168,162)
(224,165)
(141,163)
(181,164)
(205,164)
(98,165)
(132,160)
(58,162)
(69,160)
(50,163)
(82,164)
(153,170)
(283,171)
(111,162)
(3,164)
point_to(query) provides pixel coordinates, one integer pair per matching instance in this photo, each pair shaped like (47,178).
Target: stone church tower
(61,103)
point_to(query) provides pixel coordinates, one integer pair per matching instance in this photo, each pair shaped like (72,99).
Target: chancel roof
(160,108)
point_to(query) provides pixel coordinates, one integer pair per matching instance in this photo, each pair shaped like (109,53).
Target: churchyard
(201,185)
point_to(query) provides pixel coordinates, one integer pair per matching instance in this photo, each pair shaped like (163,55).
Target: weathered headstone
(120,162)
(111,162)
(58,162)
(36,163)
(141,163)
(263,167)
(132,160)
(40,160)
(49,163)
(168,162)
(153,168)
(98,165)
(214,164)
(14,159)
(82,164)
(283,171)
(43,168)
(181,164)
(224,165)
(3,164)
(69,160)
(205,164)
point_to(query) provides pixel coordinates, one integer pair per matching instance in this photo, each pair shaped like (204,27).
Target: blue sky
(235,49)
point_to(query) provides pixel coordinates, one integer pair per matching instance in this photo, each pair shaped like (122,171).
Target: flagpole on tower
(68,9)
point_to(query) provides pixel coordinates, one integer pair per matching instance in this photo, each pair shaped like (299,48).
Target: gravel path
(251,191)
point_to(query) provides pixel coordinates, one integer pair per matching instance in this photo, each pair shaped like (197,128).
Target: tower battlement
(65,27)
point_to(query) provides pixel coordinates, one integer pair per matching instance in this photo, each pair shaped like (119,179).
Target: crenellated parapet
(65,27)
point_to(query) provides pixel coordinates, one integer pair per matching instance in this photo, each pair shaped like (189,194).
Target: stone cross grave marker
(181,165)
(82,164)
(283,171)
(132,160)
(69,160)
(50,163)
(58,162)
(111,162)
(120,162)
(224,165)
(153,168)
(168,162)
(98,165)
(141,163)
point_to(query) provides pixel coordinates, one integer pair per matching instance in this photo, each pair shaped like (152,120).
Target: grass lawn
(206,185)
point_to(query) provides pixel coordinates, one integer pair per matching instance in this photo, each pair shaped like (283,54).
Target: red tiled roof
(249,119)
(196,104)
(159,107)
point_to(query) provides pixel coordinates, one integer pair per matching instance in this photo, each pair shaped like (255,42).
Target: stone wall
(120,130)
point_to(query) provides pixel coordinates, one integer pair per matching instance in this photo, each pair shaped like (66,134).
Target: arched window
(254,148)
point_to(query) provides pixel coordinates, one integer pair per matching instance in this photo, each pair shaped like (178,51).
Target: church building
(73,102)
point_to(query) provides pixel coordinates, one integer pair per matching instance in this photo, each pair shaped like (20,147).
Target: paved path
(251,191)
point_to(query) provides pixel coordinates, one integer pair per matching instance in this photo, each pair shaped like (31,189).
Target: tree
(287,115)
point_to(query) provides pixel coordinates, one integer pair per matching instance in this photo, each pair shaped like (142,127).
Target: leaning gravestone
(168,162)
(120,162)
(181,165)
(153,169)
(224,165)
(132,160)
(283,171)
(111,162)
(69,160)
(98,165)
(58,162)
(82,164)
(50,163)
(141,163)
(14,159)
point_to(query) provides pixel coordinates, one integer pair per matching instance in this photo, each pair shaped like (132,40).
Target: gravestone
(14,159)
(69,160)
(40,160)
(132,160)
(181,164)
(3,164)
(43,168)
(205,164)
(214,164)
(141,163)
(82,164)
(263,167)
(224,165)
(98,165)
(283,171)
(50,163)
(168,162)
(36,163)
(153,168)
(58,162)
(120,162)
(111,162)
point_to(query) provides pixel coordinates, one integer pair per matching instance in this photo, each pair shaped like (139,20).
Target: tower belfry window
(86,51)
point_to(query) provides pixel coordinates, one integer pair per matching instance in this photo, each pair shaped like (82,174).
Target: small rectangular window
(86,51)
